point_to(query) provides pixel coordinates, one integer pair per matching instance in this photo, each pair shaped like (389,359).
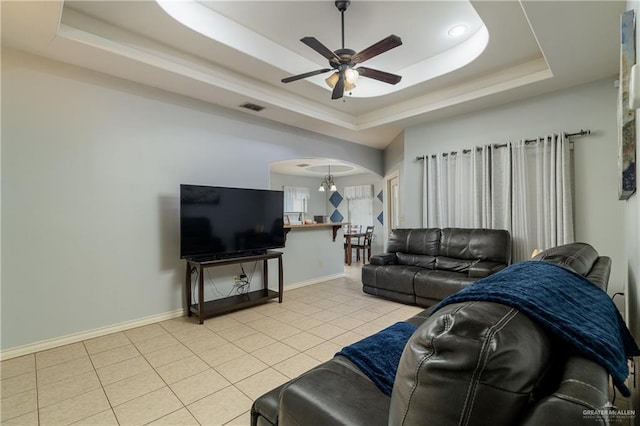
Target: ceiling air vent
(252,107)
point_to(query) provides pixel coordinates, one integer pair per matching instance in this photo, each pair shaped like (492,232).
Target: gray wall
(394,155)
(91,167)
(632,244)
(632,227)
(598,213)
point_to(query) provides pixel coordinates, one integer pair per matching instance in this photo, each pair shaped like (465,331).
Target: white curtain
(542,195)
(458,189)
(524,188)
(358,192)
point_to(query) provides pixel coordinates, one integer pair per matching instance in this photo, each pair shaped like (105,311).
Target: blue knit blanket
(566,304)
(378,355)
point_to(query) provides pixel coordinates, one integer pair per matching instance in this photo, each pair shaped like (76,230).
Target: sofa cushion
(422,260)
(455,265)
(414,241)
(476,244)
(467,363)
(439,284)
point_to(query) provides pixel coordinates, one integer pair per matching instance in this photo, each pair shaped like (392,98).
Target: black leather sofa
(423,266)
(528,378)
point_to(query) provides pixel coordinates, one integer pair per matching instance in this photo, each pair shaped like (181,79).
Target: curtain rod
(502,145)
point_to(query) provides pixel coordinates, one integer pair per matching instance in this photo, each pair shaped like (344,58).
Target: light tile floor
(178,372)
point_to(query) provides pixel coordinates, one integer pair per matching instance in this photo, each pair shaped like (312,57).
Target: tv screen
(221,222)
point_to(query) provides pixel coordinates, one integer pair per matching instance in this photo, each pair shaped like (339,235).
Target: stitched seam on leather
(576,400)
(447,325)
(584,384)
(444,243)
(484,357)
(415,384)
(575,255)
(417,375)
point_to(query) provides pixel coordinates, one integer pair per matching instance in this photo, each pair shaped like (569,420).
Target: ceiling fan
(344,60)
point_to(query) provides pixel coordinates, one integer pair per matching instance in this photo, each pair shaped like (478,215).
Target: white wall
(91,167)
(598,213)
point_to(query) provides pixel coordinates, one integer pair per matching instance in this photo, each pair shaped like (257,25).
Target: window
(360,204)
(296,200)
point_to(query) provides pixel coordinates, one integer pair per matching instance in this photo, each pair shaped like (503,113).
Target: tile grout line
(325,290)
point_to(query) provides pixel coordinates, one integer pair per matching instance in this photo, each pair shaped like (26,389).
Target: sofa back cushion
(581,258)
(467,363)
(578,257)
(414,241)
(476,244)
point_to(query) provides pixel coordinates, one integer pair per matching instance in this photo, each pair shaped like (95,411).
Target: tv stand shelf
(215,307)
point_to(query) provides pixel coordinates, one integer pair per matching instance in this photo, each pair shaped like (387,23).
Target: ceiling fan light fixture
(332,80)
(351,76)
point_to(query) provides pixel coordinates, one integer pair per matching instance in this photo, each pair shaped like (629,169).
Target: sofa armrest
(334,393)
(485,268)
(383,259)
(600,272)
(581,398)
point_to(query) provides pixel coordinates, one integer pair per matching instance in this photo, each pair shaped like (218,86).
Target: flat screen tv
(218,222)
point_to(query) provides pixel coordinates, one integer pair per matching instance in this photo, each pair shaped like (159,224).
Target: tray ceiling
(232,52)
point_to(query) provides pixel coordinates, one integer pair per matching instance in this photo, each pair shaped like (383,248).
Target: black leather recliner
(527,378)
(423,266)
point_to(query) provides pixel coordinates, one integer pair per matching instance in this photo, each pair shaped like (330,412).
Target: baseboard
(127,325)
(85,335)
(312,281)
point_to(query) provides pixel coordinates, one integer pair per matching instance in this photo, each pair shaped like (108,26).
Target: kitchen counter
(334,226)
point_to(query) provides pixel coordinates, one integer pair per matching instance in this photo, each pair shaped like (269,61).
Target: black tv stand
(220,306)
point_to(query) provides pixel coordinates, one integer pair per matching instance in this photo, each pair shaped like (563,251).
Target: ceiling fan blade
(379,75)
(377,48)
(338,91)
(313,43)
(305,75)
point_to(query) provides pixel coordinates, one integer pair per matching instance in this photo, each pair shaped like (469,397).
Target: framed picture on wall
(626,115)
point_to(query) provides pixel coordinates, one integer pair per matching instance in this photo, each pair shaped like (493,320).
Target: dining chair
(355,240)
(365,246)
